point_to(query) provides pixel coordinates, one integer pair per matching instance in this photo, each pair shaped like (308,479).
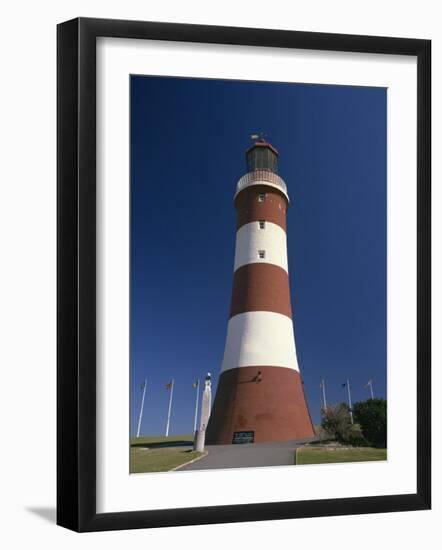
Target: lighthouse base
(266,403)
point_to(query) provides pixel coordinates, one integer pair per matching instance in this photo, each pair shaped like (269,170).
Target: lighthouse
(260,394)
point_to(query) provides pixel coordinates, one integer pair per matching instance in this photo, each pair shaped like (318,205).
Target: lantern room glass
(262,157)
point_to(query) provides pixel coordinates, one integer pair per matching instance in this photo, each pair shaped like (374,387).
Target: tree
(336,421)
(372,417)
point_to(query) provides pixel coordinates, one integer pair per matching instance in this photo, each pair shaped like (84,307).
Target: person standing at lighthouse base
(206,405)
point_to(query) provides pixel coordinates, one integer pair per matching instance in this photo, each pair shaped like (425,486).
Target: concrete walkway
(247,455)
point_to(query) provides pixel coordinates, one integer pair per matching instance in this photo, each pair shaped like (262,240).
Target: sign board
(243,437)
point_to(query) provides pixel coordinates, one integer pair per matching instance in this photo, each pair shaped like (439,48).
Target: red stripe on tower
(260,395)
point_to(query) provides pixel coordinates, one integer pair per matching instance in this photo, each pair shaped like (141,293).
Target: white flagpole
(349,400)
(323,395)
(141,409)
(196,404)
(170,408)
(371,389)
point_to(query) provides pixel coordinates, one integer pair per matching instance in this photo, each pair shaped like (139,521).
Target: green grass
(326,455)
(160,454)
(161,439)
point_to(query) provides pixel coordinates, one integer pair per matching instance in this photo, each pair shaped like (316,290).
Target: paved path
(247,455)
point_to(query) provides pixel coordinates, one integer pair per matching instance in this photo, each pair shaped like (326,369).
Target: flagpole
(323,395)
(170,408)
(349,400)
(371,389)
(196,404)
(141,409)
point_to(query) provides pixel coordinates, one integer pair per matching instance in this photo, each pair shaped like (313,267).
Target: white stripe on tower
(270,242)
(260,338)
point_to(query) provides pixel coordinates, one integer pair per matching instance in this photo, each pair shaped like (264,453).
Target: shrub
(372,417)
(355,437)
(321,434)
(336,421)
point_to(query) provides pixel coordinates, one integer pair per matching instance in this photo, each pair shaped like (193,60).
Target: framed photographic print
(243,274)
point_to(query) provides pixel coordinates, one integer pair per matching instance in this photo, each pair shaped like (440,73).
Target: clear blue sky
(188,138)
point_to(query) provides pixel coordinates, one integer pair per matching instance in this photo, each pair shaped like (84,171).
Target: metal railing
(261,175)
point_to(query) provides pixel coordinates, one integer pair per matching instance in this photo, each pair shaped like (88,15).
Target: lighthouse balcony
(261,177)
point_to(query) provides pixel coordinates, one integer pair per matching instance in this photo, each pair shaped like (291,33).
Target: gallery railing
(253,178)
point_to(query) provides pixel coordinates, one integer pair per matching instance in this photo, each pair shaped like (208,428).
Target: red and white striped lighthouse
(260,395)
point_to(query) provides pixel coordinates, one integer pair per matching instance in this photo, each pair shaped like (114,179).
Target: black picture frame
(76,274)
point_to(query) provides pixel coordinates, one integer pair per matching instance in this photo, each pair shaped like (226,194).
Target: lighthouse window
(262,224)
(261,254)
(261,197)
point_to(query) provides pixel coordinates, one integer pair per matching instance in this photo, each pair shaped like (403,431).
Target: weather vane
(259,136)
